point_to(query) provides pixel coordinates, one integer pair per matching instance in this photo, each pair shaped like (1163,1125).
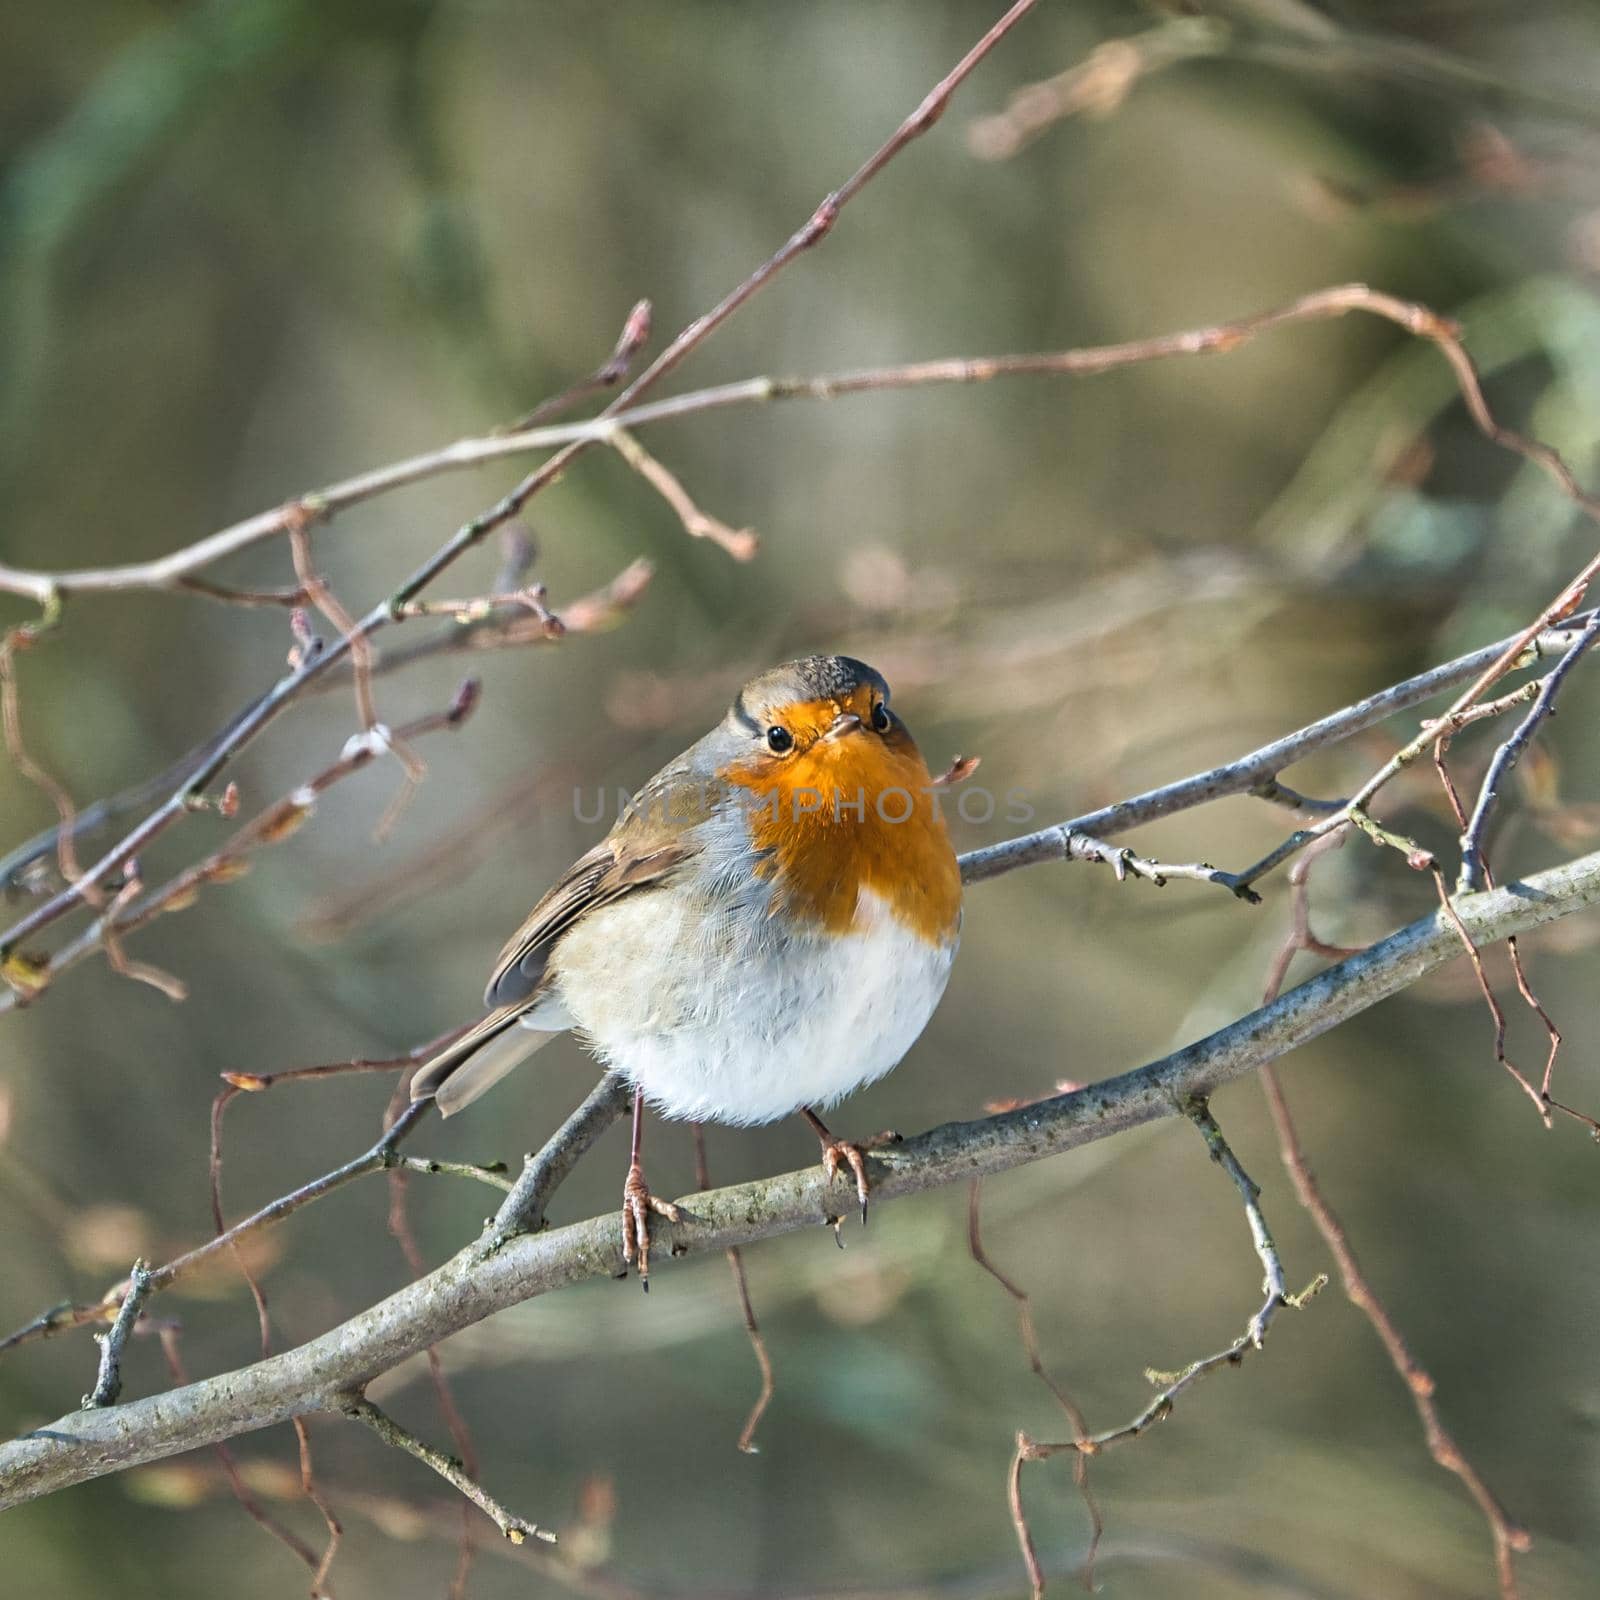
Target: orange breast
(851,814)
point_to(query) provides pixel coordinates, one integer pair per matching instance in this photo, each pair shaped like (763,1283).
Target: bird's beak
(843,723)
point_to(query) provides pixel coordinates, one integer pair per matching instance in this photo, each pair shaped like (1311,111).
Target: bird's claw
(840,1153)
(637,1205)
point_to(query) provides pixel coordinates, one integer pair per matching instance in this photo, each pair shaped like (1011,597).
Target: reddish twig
(401,1231)
(23,637)
(634,337)
(230,859)
(1509,1539)
(752,1328)
(1300,937)
(230,1467)
(740,543)
(312,1490)
(1173,1384)
(472,533)
(1069,1407)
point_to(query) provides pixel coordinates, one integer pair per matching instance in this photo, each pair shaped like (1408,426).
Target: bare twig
(752,1328)
(634,337)
(1496,1013)
(1300,39)
(1440,729)
(127,914)
(404,1234)
(1122,861)
(23,637)
(379,1158)
(493,1176)
(117,957)
(740,543)
(253,1507)
(512,625)
(472,533)
(108,1380)
(1256,773)
(1509,1539)
(1069,1408)
(482,1279)
(360,1409)
(1095,86)
(1173,1383)
(312,1490)
(625,414)
(1510,752)
(1300,936)
(1507,1536)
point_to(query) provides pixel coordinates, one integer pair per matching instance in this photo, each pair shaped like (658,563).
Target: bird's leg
(638,1202)
(837,1153)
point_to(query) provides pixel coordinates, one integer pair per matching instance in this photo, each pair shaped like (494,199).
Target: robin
(767,928)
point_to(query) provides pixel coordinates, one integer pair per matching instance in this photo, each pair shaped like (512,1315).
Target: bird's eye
(881,720)
(779,740)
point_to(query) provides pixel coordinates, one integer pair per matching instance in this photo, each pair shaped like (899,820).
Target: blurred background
(248,247)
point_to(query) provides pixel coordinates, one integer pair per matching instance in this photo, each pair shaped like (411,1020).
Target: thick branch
(481,1280)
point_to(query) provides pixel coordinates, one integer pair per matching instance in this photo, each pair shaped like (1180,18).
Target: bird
(768,927)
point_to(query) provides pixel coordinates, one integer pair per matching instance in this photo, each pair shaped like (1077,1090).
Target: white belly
(744,1025)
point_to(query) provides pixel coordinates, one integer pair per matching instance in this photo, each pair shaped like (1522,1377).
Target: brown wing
(616,866)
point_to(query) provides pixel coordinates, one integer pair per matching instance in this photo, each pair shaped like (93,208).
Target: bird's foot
(838,1154)
(637,1205)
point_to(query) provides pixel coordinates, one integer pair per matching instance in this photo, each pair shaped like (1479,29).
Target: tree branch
(301,513)
(1257,773)
(480,1280)
(360,1409)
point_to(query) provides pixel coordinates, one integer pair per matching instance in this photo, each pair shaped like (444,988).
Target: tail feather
(478,1060)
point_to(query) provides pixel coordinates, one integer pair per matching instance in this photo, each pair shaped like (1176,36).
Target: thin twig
(379,1158)
(740,543)
(634,337)
(1069,1407)
(1509,1539)
(1507,1536)
(493,1176)
(1255,773)
(360,1409)
(23,637)
(1173,1384)
(127,914)
(404,1234)
(1300,936)
(474,532)
(504,627)
(568,440)
(1440,729)
(312,1490)
(230,1468)
(1122,861)
(108,1380)
(1510,753)
(1497,1014)
(741,1287)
